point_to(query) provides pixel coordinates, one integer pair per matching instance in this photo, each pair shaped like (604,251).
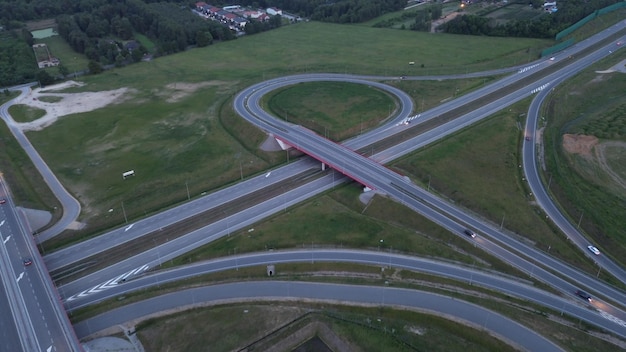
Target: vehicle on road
(2,201)
(527,138)
(593,250)
(28,262)
(584,295)
(470,233)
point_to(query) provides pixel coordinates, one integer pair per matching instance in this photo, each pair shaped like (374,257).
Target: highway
(516,287)
(279,291)
(156,257)
(367,171)
(35,307)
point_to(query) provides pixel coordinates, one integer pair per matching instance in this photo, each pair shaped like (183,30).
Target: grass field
(6,96)
(597,25)
(339,220)
(73,61)
(367,329)
(590,103)
(25,113)
(335,109)
(193,142)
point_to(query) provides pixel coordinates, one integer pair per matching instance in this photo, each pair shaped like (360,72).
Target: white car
(593,250)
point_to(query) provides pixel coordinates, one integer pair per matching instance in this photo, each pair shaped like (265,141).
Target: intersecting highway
(367,171)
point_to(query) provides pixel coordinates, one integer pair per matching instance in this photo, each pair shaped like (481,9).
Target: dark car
(470,233)
(584,295)
(28,262)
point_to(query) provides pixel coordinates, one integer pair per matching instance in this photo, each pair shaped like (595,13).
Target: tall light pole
(124,211)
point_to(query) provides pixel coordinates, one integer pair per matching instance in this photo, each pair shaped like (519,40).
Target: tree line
(545,26)
(337,11)
(420,19)
(171,27)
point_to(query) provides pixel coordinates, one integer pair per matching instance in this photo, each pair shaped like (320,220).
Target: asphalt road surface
(478,317)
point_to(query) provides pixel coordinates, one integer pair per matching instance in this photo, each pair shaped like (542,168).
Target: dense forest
(173,28)
(546,26)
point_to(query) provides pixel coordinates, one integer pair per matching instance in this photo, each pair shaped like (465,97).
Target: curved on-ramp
(70,206)
(478,317)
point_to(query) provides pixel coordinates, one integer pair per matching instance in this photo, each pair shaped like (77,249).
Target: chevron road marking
(129,227)
(7,239)
(616,320)
(109,284)
(522,70)
(540,88)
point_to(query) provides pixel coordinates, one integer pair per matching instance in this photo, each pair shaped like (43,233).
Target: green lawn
(197,141)
(339,220)
(6,96)
(69,58)
(336,109)
(25,113)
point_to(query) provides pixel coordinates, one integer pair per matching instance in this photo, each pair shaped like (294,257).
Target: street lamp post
(124,211)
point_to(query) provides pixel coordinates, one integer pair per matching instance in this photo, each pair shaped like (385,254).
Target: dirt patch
(71,103)
(442,20)
(41,24)
(620,67)
(178,90)
(595,152)
(270,144)
(579,144)
(600,153)
(599,78)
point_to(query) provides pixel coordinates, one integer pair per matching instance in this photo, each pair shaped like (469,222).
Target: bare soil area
(579,144)
(71,103)
(442,20)
(600,153)
(176,91)
(590,148)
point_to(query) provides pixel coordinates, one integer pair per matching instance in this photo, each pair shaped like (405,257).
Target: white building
(274,11)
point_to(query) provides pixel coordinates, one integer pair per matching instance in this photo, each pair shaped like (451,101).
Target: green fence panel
(575,26)
(617,6)
(558,47)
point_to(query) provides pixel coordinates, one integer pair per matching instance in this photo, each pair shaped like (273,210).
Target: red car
(28,262)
